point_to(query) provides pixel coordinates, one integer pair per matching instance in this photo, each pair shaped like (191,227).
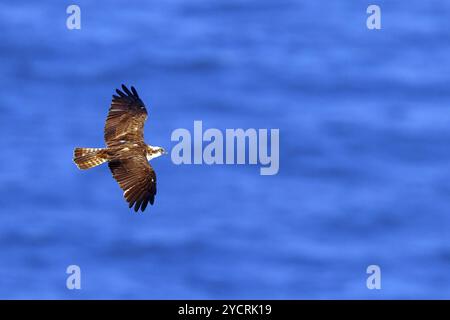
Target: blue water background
(364,149)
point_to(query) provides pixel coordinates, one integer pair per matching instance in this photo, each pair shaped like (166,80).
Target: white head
(154,152)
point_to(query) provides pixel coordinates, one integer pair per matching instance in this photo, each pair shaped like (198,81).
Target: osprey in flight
(126,152)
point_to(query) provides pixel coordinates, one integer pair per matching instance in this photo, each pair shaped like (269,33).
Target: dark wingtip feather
(138,205)
(144,205)
(120,93)
(124,88)
(134,91)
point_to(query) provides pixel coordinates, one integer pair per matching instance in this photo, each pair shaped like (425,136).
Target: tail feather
(86,158)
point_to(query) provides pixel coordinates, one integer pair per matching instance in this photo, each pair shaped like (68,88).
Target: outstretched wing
(137,179)
(126,118)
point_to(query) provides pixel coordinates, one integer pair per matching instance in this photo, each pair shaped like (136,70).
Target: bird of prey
(126,152)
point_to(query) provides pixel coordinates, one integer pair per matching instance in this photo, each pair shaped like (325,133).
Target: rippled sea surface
(364,149)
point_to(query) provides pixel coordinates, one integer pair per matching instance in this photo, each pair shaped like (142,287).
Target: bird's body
(126,152)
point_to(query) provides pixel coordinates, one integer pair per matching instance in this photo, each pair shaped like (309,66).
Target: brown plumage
(126,152)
